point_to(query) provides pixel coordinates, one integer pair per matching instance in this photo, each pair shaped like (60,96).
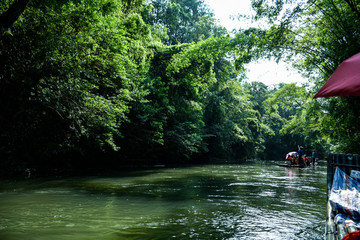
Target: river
(254,200)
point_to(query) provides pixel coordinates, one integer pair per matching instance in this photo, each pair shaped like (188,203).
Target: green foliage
(320,34)
(341,124)
(78,63)
(258,94)
(133,82)
(289,117)
(185,21)
(240,128)
(290,110)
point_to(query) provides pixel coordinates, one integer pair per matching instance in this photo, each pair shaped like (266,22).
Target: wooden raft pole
(330,225)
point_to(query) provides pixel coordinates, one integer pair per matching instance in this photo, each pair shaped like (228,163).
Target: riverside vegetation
(102,84)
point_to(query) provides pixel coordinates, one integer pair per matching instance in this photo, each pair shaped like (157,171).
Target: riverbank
(101,167)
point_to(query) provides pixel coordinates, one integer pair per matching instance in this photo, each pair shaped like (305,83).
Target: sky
(268,72)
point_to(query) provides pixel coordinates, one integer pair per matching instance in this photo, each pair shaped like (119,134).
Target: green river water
(254,200)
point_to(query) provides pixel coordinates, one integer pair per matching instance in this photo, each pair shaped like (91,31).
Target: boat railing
(347,163)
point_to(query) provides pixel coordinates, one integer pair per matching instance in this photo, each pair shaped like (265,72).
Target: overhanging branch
(8,18)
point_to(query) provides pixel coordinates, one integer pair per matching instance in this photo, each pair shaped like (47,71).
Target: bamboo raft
(345,162)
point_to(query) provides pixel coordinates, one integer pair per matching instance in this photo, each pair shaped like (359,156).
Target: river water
(255,200)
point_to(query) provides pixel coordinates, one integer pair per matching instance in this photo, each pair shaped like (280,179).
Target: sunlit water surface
(256,200)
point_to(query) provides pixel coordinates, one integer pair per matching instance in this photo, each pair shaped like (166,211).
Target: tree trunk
(8,18)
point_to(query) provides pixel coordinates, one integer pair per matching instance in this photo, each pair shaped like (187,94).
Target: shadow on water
(149,184)
(250,201)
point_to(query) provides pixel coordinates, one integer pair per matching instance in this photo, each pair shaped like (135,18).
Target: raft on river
(292,160)
(343,206)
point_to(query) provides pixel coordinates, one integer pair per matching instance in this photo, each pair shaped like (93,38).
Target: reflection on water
(256,200)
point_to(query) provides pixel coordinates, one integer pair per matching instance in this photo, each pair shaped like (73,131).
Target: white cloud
(270,73)
(224,9)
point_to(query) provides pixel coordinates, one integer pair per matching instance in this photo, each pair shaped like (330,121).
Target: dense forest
(104,84)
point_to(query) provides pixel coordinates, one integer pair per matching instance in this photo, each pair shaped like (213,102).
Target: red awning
(345,81)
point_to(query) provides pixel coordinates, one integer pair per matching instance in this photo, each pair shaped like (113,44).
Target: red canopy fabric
(345,81)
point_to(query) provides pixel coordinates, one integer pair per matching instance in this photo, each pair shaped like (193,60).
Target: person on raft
(301,154)
(291,157)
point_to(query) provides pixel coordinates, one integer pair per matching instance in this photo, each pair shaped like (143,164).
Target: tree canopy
(318,36)
(88,84)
